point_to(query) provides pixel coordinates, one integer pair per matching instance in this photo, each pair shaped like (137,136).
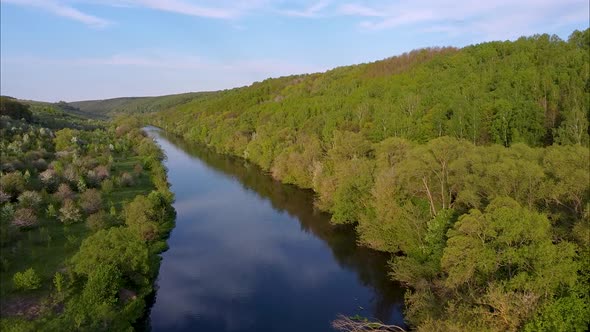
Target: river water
(251,254)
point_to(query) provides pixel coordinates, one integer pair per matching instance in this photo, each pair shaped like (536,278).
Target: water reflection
(251,254)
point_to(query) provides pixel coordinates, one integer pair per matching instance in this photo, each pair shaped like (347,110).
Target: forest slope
(469,165)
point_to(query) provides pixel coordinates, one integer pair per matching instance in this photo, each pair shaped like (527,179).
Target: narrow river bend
(251,254)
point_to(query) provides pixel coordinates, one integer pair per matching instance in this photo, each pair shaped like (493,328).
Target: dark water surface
(251,254)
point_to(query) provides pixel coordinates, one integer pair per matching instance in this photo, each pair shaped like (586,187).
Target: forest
(85,211)
(469,166)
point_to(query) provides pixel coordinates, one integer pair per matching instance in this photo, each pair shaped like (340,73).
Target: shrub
(24,218)
(126,180)
(59,282)
(51,212)
(137,169)
(27,280)
(69,213)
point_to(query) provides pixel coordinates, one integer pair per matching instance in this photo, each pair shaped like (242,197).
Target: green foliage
(569,313)
(102,285)
(65,139)
(117,247)
(27,280)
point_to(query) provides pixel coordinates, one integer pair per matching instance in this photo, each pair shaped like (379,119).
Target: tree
(118,247)
(64,192)
(351,198)
(24,217)
(30,199)
(69,212)
(91,201)
(506,260)
(140,217)
(64,139)
(12,183)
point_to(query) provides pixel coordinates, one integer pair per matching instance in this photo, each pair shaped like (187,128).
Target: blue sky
(92,49)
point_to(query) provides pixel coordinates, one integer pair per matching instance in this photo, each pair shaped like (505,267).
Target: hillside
(534,90)
(469,166)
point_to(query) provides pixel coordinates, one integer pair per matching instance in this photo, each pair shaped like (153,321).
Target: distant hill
(50,115)
(109,107)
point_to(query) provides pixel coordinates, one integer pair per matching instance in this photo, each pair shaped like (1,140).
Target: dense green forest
(85,211)
(470,166)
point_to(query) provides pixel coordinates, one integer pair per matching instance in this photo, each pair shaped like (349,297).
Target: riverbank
(99,215)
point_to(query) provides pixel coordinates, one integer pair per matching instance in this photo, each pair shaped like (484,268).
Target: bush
(137,169)
(27,280)
(126,180)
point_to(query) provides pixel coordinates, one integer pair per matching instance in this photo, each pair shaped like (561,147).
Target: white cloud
(489,18)
(375,15)
(184,7)
(360,10)
(311,11)
(64,10)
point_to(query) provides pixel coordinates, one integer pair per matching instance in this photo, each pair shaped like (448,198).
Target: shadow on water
(370,267)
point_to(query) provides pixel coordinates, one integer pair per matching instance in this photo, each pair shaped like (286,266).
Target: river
(251,254)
